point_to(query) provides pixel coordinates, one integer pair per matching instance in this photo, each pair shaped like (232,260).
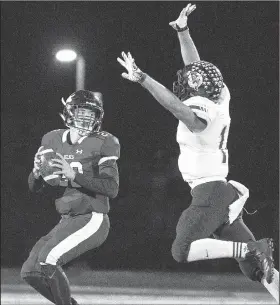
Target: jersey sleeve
(48,138)
(110,149)
(106,180)
(203,108)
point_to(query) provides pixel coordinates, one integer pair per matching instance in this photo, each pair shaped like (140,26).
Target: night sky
(241,38)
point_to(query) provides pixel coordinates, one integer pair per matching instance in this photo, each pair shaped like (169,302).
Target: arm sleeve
(106,180)
(188,48)
(35,185)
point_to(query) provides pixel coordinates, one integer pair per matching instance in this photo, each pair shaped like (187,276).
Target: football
(46,169)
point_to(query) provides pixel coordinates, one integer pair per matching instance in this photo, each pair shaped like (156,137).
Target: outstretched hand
(182,21)
(133,74)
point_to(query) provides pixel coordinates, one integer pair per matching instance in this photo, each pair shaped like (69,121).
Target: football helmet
(198,78)
(83,110)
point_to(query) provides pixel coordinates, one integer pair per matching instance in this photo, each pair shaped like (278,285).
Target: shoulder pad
(110,146)
(101,134)
(202,107)
(48,137)
(199,101)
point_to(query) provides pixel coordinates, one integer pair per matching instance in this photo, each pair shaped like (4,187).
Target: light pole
(67,55)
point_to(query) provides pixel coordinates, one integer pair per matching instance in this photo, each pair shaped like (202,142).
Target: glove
(181,24)
(37,163)
(134,74)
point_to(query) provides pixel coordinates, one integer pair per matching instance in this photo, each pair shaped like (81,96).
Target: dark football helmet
(83,110)
(199,78)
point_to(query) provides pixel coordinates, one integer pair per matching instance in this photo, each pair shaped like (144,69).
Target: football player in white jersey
(200,101)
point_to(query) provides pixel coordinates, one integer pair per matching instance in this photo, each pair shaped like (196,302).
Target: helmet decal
(194,79)
(199,76)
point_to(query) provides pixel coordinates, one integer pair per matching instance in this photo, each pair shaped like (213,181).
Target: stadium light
(68,55)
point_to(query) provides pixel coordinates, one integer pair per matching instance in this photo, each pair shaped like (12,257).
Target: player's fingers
(121,62)
(39,151)
(124,56)
(190,10)
(125,75)
(60,155)
(36,166)
(184,10)
(37,161)
(57,165)
(58,173)
(173,24)
(130,57)
(57,161)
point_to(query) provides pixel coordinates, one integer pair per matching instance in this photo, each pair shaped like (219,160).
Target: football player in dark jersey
(87,164)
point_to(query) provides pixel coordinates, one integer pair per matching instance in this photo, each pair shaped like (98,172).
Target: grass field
(127,287)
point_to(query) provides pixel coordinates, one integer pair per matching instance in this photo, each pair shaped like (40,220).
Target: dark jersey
(94,160)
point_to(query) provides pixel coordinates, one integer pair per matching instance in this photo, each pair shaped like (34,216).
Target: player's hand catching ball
(133,74)
(182,21)
(37,163)
(65,167)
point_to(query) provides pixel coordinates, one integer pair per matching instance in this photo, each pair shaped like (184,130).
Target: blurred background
(241,38)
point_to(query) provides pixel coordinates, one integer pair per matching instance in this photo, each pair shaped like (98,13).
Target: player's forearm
(35,185)
(188,48)
(168,100)
(105,185)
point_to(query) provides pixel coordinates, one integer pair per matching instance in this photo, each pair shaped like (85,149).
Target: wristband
(142,77)
(178,29)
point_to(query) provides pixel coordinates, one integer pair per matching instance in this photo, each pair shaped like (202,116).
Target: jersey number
(78,167)
(223,143)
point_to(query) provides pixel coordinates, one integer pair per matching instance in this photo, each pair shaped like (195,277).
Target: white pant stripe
(74,239)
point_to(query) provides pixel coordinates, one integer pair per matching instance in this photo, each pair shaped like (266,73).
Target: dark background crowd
(241,38)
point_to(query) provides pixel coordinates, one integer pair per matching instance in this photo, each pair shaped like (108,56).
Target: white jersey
(204,155)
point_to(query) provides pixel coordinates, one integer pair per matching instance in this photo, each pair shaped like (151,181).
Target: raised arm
(164,96)
(188,48)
